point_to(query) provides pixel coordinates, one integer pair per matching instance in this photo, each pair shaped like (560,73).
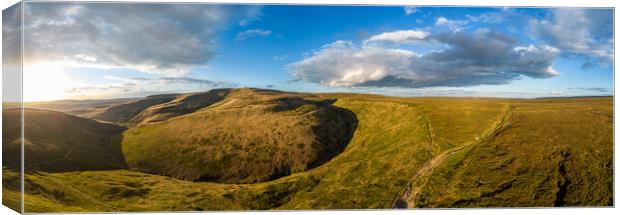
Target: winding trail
(419,180)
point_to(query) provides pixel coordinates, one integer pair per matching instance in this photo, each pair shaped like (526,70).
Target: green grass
(554,152)
(494,153)
(250,136)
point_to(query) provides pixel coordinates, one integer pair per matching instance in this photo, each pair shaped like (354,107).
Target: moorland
(256,149)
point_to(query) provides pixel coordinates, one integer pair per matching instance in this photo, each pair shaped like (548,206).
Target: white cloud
(253,33)
(343,63)
(582,32)
(410,10)
(451,24)
(476,58)
(138,86)
(442,21)
(254,14)
(402,36)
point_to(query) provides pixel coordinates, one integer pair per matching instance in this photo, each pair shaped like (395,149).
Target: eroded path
(419,180)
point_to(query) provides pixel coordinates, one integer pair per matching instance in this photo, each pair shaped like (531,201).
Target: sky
(115,50)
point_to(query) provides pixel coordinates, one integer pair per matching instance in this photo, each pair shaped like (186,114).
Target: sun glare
(45,82)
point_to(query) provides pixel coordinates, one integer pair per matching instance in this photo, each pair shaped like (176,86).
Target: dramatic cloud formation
(586,33)
(11,35)
(170,48)
(253,33)
(155,38)
(471,58)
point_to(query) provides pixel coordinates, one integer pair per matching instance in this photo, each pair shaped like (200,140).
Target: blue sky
(127,50)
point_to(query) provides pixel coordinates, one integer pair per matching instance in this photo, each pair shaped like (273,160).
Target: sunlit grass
(552,152)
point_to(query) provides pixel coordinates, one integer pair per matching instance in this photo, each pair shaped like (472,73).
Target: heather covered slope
(405,152)
(57,142)
(250,136)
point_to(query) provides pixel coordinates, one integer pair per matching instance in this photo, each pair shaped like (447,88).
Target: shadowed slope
(56,142)
(123,113)
(250,136)
(183,104)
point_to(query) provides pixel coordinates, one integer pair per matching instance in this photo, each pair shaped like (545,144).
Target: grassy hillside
(123,190)
(57,142)
(250,136)
(551,152)
(405,152)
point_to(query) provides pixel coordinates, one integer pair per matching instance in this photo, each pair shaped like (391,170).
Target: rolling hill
(124,112)
(249,136)
(402,152)
(182,104)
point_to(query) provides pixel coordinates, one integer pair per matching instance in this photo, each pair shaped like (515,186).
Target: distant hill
(123,113)
(73,107)
(155,108)
(182,104)
(57,142)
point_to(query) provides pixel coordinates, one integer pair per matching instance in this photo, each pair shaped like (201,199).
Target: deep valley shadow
(334,142)
(57,142)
